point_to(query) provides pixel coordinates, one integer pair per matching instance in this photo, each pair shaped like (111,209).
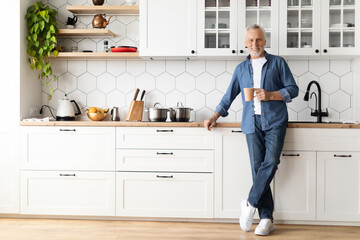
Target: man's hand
(211,122)
(263,95)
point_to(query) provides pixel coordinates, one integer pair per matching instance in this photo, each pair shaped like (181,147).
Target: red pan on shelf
(123,49)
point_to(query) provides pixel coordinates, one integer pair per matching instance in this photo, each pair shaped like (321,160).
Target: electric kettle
(65,111)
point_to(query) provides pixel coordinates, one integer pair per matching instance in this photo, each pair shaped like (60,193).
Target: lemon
(92,110)
(99,110)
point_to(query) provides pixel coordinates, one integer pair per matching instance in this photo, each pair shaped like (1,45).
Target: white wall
(196,83)
(356,88)
(9,64)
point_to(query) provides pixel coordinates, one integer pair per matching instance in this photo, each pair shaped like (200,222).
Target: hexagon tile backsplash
(197,84)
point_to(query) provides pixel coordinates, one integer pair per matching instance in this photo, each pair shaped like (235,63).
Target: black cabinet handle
(325,51)
(67,175)
(342,155)
(192,51)
(291,155)
(317,50)
(164,153)
(67,130)
(164,130)
(236,131)
(233,51)
(241,51)
(161,176)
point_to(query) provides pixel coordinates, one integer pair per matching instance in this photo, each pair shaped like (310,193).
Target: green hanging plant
(41,41)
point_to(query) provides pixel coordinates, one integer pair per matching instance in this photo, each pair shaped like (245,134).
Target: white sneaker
(265,227)
(247,215)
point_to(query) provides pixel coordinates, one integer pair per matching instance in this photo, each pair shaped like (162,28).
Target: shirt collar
(267,56)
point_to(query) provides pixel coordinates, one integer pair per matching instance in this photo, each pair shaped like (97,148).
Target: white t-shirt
(257,65)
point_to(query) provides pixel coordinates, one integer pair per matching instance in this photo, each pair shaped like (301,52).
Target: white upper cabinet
(326,27)
(167,28)
(217,28)
(299,27)
(264,13)
(222,25)
(341,26)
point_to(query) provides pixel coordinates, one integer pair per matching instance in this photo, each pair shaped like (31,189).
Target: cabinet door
(299,27)
(68,148)
(165,160)
(338,179)
(217,28)
(340,27)
(262,12)
(9,169)
(295,186)
(185,195)
(233,178)
(167,27)
(164,138)
(67,193)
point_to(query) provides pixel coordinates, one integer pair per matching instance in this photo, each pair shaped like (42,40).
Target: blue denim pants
(264,150)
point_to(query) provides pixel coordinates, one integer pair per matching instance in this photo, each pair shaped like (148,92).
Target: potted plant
(41,41)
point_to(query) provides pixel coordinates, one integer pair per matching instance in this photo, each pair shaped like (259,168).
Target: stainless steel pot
(157,114)
(180,113)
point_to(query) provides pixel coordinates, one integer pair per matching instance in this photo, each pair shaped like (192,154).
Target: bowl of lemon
(97,114)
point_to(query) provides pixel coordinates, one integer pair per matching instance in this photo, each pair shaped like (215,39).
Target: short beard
(258,54)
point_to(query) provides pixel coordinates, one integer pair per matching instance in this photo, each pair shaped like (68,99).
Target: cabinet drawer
(185,195)
(67,193)
(68,148)
(165,160)
(164,138)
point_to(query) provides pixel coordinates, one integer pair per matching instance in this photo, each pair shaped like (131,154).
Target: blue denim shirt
(275,76)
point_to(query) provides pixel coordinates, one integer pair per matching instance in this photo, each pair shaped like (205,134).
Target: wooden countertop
(173,124)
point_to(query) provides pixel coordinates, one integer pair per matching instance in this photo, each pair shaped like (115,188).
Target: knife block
(135,111)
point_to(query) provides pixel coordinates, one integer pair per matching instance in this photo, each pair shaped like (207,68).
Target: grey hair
(256,26)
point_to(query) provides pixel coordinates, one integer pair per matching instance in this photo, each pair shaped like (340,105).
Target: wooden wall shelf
(97,55)
(85,32)
(116,10)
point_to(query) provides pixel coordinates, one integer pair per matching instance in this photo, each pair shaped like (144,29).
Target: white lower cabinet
(295,186)
(68,148)
(9,169)
(164,138)
(233,178)
(164,194)
(165,160)
(338,193)
(67,193)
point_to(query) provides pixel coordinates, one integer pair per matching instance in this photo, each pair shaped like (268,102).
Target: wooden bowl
(96,116)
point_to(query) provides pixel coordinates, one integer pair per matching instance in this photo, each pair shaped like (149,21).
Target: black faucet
(317,112)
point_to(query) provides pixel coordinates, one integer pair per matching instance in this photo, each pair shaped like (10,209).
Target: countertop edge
(173,124)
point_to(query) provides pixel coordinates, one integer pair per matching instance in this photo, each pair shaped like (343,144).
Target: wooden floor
(45,229)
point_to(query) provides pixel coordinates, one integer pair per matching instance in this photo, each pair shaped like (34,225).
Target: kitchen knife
(136,94)
(142,95)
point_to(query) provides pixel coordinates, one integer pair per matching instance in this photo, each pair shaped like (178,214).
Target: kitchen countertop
(173,124)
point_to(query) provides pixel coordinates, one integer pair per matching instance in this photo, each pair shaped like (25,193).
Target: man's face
(255,42)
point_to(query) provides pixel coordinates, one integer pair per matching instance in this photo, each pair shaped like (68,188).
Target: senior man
(264,121)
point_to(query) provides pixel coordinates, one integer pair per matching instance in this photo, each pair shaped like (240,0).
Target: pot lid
(161,107)
(180,106)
